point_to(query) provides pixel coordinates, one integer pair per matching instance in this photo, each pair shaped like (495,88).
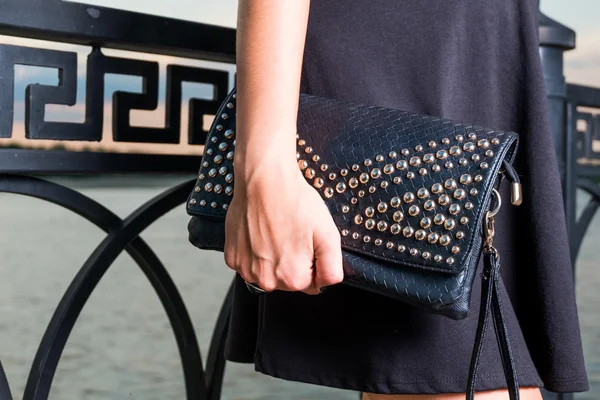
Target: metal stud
(437,188)
(225,206)
(428,158)
(473,192)
(328,192)
(205,164)
(478,178)
(364,177)
(423,171)
(353,182)
(450,260)
(460,235)
(370,224)
(410,175)
(345,208)
(475,157)
(438,258)
(340,187)
(408,231)
(395,202)
(436,168)
(455,151)
(218,188)
(219,127)
(459,138)
(401,248)
(429,205)
(423,193)
(316,158)
(414,252)
(472,136)
(318,183)
(197,189)
(297,155)
(454,209)
(388,169)
(433,237)
(414,210)
(356,235)
(401,165)
(375,173)
(484,165)
(355,167)
(370,212)
(218,159)
(382,207)
(441,154)
(203,202)
(378,242)
(229,178)
(368,162)
(384,184)
(230,105)
(324,167)
(212,172)
(372,189)
(209,152)
(309,173)
(460,194)
(353,200)
(489,153)
(214,204)
(409,197)
(445,141)
(193,201)
(344,172)
(201,176)
(229,133)
(302,142)
(455,249)
(395,229)
(483,143)
(358,219)
(445,240)
(426,255)
(308,150)
(469,146)
(361,193)
(419,148)
(223,171)
(420,234)
(345,232)
(389,245)
(398,216)
(464,220)
(469,206)
(382,226)
(397,180)
(466,179)
(495,141)
(439,219)
(366,238)
(444,200)
(230,155)
(229,190)
(415,161)
(393,154)
(425,222)
(463,162)
(432,144)
(450,184)
(214,139)
(405,152)
(332,176)
(379,158)
(449,165)
(450,224)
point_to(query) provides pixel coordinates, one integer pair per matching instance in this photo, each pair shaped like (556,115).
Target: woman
(470,60)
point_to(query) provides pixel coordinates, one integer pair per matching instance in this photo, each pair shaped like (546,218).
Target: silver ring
(497,209)
(254,288)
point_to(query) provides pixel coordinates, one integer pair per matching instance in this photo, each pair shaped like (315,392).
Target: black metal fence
(102,28)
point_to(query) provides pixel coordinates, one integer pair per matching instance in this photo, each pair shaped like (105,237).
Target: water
(122,346)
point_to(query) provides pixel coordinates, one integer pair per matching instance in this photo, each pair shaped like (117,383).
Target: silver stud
(355,167)
(425,222)
(466,179)
(332,176)
(449,165)
(393,154)
(228,134)
(397,180)
(197,189)
(450,260)
(382,226)
(441,154)
(495,141)
(318,183)
(476,157)
(428,158)
(483,143)
(214,204)
(214,139)
(408,231)
(445,141)
(384,184)
(432,144)
(463,162)
(364,177)
(455,151)
(370,211)
(433,237)
(445,240)
(426,255)
(328,192)
(366,238)
(375,173)
(473,192)
(212,172)
(356,235)
(324,167)
(464,220)
(309,173)
(193,201)
(469,147)
(444,200)
(439,219)
(429,205)
(302,142)
(478,178)
(450,184)
(316,158)
(460,235)
(414,210)
(472,136)
(308,150)
(469,206)
(203,202)
(218,188)
(219,127)
(361,193)
(389,245)
(378,242)
(297,155)
(489,153)
(388,169)
(205,164)
(415,161)
(229,178)
(353,200)
(230,155)
(395,229)
(229,190)
(460,194)
(484,165)
(419,148)
(340,187)
(353,182)
(368,162)
(398,216)
(379,158)
(405,152)
(382,207)
(401,165)
(395,202)
(370,224)
(420,234)
(209,152)
(455,249)
(372,189)
(414,252)
(345,232)
(450,224)
(223,171)
(345,208)
(358,219)
(201,177)
(454,209)
(409,197)
(410,175)
(423,171)
(437,188)
(401,248)
(423,193)
(438,258)
(225,206)
(218,159)
(344,172)
(230,105)
(459,138)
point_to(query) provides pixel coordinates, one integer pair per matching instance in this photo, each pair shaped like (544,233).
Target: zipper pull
(516,190)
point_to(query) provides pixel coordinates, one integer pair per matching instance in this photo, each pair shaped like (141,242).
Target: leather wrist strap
(492,304)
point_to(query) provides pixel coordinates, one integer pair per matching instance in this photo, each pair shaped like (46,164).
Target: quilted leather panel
(403,188)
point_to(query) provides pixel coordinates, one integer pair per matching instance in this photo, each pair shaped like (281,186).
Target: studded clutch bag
(413,196)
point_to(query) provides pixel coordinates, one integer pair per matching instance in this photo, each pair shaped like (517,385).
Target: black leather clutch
(413,197)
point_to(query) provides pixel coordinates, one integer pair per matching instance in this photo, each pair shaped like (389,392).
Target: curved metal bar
(122,234)
(215,362)
(4,386)
(584,221)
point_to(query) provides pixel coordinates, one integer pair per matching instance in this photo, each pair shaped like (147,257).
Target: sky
(582,65)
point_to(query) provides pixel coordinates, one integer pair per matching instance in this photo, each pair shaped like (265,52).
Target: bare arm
(278,232)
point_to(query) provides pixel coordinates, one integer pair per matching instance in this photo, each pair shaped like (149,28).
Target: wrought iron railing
(103,28)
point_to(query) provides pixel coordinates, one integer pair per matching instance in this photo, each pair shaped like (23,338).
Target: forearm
(270,45)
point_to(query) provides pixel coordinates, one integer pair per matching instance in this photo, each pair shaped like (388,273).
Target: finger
(328,259)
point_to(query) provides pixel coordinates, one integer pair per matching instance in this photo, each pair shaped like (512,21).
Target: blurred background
(122,346)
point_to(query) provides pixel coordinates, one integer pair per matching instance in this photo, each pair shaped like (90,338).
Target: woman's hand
(279,233)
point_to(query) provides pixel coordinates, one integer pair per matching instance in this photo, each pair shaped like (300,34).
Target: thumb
(328,258)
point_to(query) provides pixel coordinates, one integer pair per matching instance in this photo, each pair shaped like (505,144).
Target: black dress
(469,60)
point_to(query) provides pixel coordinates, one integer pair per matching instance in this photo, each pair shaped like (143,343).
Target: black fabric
(470,60)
